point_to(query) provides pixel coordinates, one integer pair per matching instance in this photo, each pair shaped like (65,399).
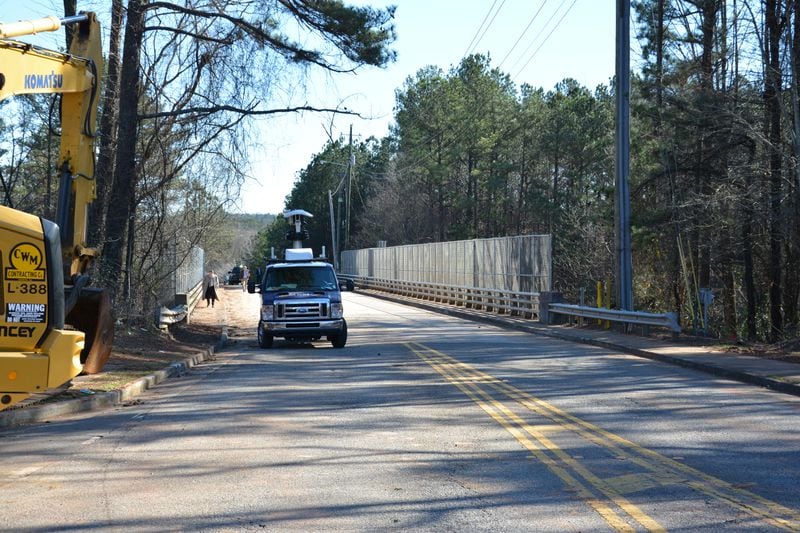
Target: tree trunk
(792,294)
(472,193)
(707,111)
(772,105)
(127,274)
(125,168)
(667,170)
(728,230)
(108,129)
(70,9)
(747,222)
(523,188)
(443,222)
(747,255)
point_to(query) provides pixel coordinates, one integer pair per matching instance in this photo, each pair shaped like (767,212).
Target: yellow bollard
(599,299)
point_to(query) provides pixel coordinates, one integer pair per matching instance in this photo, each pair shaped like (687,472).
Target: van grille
(301,310)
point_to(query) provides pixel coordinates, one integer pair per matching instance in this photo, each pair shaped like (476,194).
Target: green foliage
(232,242)
(478,158)
(361,32)
(470,156)
(269,238)
(350,188)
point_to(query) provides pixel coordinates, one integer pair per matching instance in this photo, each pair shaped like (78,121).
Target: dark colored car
(235,275)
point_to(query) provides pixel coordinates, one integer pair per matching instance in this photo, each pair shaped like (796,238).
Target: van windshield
(300,278)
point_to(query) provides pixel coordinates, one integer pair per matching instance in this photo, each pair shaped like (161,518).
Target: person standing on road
(210,284)
(245,277)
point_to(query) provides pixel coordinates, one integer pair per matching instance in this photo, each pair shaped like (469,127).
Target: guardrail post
(535,307)
(545,299)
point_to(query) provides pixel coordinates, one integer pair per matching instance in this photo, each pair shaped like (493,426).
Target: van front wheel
(340,339)
(264,340)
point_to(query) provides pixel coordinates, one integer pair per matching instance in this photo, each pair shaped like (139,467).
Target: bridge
(508,275)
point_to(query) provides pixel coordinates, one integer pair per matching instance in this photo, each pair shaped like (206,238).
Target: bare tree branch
(244,111)
(189,34)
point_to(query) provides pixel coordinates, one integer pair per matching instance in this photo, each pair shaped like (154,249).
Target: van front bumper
(304,328)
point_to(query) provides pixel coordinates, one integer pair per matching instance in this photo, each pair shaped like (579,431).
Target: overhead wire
(461,132)
(533,41)
(469,46)
(557,24)
(521,35)
(472,46)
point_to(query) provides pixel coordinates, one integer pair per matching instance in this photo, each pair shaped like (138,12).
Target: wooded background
(715,144)
(714,169)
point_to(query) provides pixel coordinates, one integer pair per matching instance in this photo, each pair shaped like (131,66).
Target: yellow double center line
(603,495)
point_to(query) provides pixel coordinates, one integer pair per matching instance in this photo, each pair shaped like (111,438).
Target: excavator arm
(27,69)
(52,324)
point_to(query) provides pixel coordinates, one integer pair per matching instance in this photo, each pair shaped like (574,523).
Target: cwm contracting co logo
(25,263)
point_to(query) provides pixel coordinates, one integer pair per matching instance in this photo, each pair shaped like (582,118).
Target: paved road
(422,422)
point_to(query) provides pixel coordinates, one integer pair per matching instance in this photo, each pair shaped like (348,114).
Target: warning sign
(28,313)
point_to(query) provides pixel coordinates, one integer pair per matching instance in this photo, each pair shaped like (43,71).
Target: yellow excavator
(53,325)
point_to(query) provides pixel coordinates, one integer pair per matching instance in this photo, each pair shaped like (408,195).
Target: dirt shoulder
(140,351)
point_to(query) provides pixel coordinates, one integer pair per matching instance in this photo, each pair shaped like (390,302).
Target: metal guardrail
(167,317)
(183,310)
(527,304)
(494,300)
(193,297)
(665,320)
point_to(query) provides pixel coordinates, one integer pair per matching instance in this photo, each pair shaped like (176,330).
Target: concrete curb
(48,411)
(719,371)
(716,370)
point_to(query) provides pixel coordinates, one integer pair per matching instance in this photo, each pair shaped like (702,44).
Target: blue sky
(564,38)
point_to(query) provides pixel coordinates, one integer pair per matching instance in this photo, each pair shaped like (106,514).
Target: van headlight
(267,313)
(337,311)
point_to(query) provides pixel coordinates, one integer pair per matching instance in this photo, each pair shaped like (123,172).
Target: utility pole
(339,218)
(350,164)
(334,245)
(622,216)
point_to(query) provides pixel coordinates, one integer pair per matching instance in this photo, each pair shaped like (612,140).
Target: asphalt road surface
(422,422)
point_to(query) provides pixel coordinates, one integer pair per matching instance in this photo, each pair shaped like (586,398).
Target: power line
(521,35)
(533,41)
(460,134)
(472,47)
(548,36)
(469,46)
